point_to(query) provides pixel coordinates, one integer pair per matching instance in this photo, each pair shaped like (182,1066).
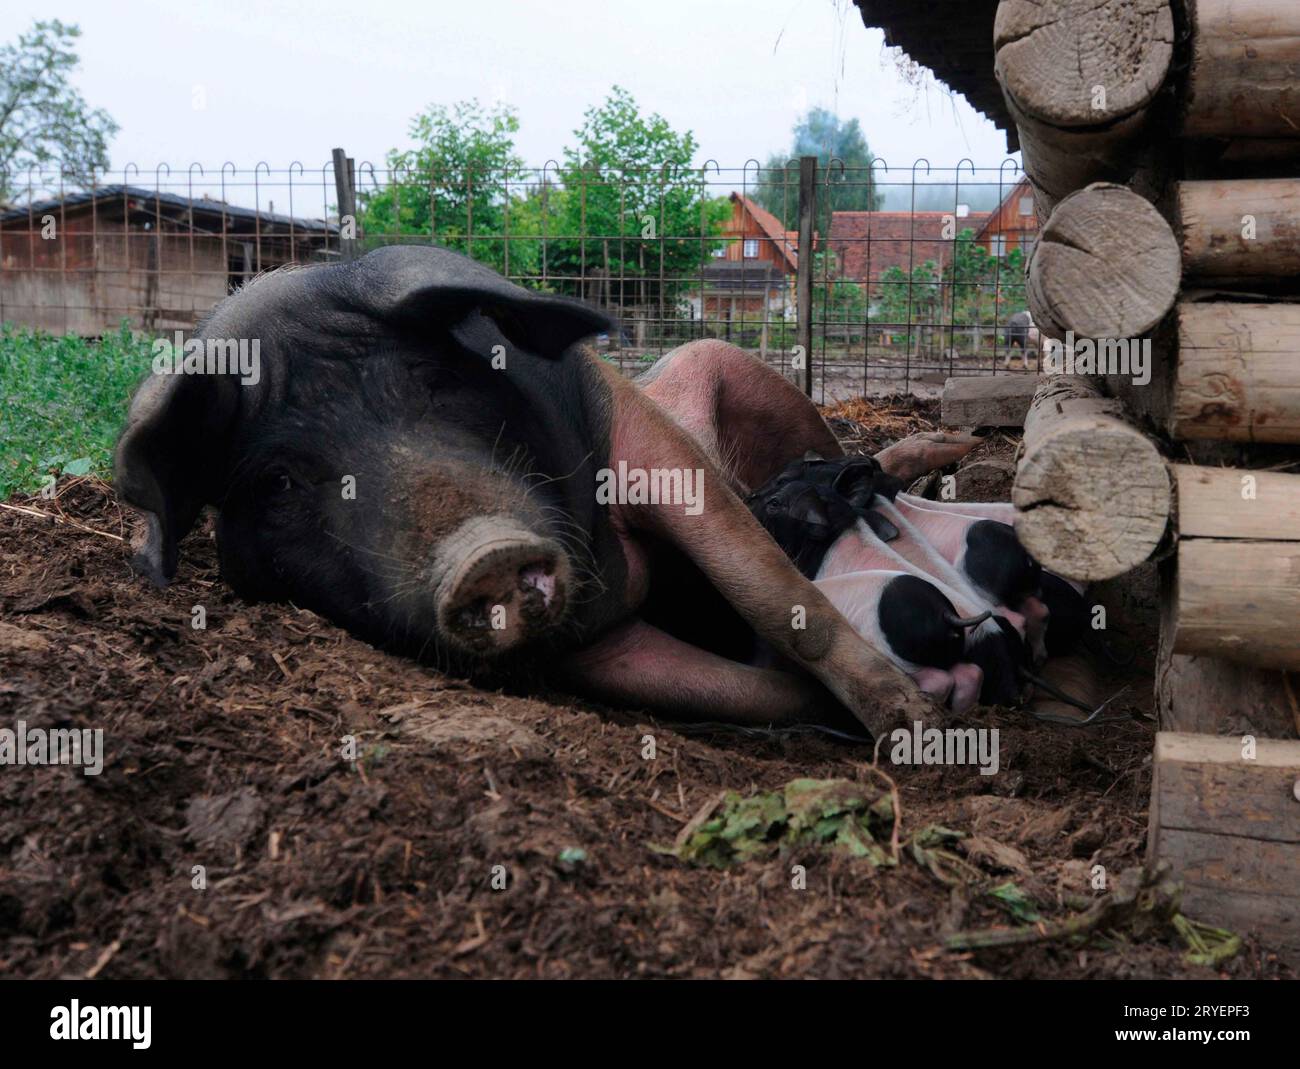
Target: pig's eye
(275,483)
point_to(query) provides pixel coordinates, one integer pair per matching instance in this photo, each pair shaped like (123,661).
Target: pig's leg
(748,418)
(922,453)
(639,665)
(748,568)
(751,421)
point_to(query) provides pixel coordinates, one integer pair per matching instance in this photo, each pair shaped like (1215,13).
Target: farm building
(867,244)
(83,263)
(1013,225)
(751,277)
(1168,206)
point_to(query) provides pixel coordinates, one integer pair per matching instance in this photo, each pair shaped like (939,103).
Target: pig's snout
(502,587)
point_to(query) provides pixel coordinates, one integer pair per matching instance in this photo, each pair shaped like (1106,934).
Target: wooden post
(345,190)
(1106,265)
(1092,493)
(803,282)
(1241,80)
(1079,77)
(1227,819)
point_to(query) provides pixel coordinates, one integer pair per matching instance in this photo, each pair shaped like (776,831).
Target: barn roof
(140,199)
(786,241)
(868,243)
(954,39)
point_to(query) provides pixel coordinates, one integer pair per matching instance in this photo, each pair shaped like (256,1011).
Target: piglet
(909,620)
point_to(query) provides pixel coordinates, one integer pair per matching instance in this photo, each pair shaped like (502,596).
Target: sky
(284,80)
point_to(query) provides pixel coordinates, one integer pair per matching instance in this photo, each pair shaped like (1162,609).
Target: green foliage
(62,403)
(43,119)
(632,208)
(464,184)
(833,815)
(823,134)
(974,289)
(623,186)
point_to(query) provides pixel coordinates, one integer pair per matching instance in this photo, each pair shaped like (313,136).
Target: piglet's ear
(171,461)
(416,285)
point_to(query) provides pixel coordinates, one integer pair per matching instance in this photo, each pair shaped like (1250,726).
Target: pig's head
(414,460)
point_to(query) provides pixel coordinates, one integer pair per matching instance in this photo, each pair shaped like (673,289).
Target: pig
(915,626)
(988,557)
(1058,610)
(419,461)
(1020,333)
(993,644)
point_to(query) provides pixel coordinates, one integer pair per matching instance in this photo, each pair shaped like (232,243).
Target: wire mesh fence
(905,274)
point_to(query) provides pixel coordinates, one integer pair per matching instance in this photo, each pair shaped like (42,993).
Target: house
(866,244)
(1014,225)
(751,277)
(82,263)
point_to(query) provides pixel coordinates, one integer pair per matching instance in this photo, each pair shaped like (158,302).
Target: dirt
(225,750)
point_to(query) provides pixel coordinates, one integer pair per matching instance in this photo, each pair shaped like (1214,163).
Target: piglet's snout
(501,585)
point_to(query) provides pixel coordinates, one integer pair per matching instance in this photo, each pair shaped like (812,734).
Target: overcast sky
(284,80)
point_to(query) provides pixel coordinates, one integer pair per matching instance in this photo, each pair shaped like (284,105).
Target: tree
(632,210)
(43,119)
(463,185)
(825,135)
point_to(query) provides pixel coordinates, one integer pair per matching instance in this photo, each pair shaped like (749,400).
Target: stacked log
(1169,188)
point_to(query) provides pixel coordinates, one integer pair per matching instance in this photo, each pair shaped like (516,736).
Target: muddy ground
(223,751)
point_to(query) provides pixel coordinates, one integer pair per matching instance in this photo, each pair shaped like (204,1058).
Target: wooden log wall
(1166,167)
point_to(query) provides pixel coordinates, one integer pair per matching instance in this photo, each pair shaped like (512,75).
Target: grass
(63,401)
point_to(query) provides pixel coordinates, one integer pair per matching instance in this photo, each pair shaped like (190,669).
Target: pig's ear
(417,285)
(170,461)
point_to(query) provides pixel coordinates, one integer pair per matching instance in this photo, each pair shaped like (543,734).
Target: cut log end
(1107,265)
(1082,62)
(1092,492)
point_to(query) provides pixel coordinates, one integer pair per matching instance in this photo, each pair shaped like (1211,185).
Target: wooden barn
(85,262)
(1013,225)
(1161,139)
(751,276)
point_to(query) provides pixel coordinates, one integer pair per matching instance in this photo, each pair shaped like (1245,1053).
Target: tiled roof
(867,243)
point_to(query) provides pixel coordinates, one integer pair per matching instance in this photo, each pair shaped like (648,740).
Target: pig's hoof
(504,593)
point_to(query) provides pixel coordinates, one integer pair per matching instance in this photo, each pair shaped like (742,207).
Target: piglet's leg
(639,665)
(747,567)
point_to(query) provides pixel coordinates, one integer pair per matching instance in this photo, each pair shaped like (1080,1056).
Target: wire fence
(850,280)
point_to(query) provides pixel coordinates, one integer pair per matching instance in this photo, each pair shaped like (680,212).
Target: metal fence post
(803,277)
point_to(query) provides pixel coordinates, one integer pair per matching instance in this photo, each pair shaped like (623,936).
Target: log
(1236,591)
(1229,826)
(1092,492)
(1242,232)
(1106,265)
(1242,75)
(1079,78)
(987,401)
(1238,373)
